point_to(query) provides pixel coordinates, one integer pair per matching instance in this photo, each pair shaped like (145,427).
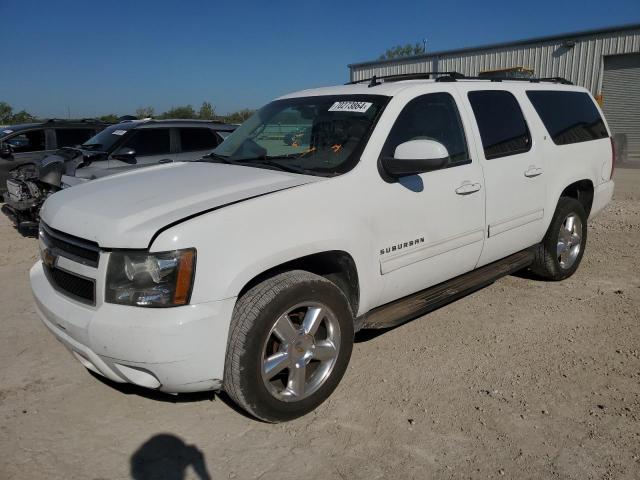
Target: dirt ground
(523,379)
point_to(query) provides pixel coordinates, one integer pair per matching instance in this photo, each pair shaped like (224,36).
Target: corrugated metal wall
(580,63)
(621,93)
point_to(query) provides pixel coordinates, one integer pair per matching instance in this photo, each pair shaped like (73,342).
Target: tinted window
(570,117)
(430,117)
(68,137)
(150,141)
(197,139)
(502,126)
(32,141)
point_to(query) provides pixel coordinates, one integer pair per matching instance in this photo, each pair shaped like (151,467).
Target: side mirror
(416,156)
(5,151)
(126,154)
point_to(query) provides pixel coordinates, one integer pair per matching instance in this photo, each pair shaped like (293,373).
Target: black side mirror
(6,151)
(126,154)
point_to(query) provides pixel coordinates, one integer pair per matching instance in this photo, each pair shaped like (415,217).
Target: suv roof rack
(451,77)
(374,80)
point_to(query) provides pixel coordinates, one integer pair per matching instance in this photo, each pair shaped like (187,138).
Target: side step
(425,301)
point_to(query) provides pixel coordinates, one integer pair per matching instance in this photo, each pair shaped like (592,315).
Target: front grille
(73,248)
(81,288)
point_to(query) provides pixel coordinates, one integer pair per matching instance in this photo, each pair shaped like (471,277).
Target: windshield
(105,139)
(321,135)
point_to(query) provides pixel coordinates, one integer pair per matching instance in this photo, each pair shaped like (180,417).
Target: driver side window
(433,116)
(150,141)
(32,141)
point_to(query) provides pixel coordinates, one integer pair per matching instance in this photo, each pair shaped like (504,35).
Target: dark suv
(30,142)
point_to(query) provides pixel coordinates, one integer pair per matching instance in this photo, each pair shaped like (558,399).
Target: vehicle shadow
(165,456)
(212,396)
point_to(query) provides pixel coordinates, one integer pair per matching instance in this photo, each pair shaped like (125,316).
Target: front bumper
(179,349)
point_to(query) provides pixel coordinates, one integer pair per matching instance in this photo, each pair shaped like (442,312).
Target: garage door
(621,95)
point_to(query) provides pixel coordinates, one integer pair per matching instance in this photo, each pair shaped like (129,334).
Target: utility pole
(424,45)
(68,112)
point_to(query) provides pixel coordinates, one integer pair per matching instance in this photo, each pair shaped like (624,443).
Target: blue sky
(99,57)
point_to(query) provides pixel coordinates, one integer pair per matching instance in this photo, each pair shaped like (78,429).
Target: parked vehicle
(126,145)
(30,142)
(251,270)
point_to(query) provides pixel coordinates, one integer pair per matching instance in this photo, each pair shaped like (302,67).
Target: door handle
(467,188)
(533,171)
(165,160)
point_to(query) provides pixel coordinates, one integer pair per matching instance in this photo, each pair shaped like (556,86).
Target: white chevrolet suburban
(328,211)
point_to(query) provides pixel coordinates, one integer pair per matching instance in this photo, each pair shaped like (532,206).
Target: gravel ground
(523,379)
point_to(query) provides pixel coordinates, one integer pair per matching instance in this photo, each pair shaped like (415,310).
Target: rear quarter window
(569,117)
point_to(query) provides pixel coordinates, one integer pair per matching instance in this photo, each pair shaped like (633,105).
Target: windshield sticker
(7,131)
(119,132)
(350,106)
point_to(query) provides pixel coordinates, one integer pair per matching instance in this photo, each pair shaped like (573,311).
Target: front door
(430,227)
(150,144)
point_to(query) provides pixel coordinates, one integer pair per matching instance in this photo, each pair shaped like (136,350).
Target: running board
(425,301)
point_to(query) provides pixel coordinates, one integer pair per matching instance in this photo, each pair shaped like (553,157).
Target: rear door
(513,167)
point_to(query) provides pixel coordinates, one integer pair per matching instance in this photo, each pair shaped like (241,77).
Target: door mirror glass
(416,156)
(126,154)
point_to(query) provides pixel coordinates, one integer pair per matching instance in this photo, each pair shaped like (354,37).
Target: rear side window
(192,139)
(68,137)
(569,117)
(430,117)
(502,126)
(150,141)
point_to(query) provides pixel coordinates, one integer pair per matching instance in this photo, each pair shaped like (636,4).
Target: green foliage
(239,116)
(145,112)
(8,117)
(407,50)
(185,111)
(207,111)
(110,118)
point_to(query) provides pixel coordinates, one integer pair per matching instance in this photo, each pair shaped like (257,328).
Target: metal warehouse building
(606,61)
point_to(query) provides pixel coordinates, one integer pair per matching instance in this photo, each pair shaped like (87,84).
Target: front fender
(238,242)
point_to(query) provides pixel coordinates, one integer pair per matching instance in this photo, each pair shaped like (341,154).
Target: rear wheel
(289,345)
(561,250)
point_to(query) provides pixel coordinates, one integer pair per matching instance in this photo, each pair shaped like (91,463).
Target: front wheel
(289,344)
(561,250)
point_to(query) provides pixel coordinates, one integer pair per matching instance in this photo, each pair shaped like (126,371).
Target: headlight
(150,279)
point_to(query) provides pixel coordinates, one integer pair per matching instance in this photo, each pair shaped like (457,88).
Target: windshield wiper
(285,168)
(215,158)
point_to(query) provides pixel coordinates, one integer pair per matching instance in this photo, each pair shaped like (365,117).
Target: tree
(239,116)
(7,117)
(145,112)
(110,118)
(207,111)
(403,51)
(185,111)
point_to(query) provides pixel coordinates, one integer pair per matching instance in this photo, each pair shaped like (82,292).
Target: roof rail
(451,77)
(374,80)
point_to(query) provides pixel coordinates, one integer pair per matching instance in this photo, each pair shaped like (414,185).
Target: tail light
(613,157)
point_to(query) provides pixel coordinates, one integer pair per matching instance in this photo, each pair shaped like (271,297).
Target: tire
(560,253)
(260,330)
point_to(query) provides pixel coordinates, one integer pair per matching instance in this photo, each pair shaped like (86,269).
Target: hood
(126,210)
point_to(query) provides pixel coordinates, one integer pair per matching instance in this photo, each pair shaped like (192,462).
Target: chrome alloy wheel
(300,351)
(569,241)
